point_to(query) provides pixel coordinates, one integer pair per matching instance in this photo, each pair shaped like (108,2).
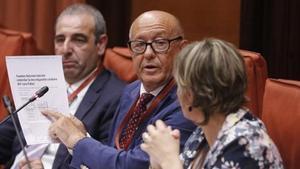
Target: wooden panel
(213,18)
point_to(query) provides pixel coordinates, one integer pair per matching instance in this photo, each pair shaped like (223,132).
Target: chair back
(12,43)
(118,60)
(257,74)
(281,115)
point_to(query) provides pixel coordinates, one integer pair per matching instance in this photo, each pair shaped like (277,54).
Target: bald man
(155,38)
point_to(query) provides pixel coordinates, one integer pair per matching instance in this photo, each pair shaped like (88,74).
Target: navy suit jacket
(94,154)
(96,110)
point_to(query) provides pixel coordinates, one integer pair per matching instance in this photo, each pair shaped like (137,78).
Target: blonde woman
(212,81)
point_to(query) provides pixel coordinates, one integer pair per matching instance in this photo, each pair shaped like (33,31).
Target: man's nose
(67,47)
(149,52)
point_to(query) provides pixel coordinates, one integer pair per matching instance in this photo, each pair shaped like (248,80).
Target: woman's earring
(190,108)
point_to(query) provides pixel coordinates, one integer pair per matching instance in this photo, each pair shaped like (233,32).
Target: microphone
(10,108)
(39,93)
(36,95)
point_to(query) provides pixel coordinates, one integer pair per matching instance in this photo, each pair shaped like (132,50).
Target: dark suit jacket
(95,110)
(95,155)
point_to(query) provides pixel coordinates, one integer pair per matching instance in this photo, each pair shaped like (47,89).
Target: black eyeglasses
(157,45)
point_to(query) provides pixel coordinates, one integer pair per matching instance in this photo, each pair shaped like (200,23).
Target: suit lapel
(165,101)
(135,93)
(126,105)
(92,95)
(89,99)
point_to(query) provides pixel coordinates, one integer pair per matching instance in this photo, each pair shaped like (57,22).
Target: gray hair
(215,73)
(80,9)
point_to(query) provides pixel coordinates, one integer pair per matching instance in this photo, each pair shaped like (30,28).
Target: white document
(27,74)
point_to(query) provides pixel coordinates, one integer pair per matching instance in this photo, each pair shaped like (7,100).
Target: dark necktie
(135,119)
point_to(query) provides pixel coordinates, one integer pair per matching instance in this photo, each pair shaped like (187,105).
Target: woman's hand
(162,145)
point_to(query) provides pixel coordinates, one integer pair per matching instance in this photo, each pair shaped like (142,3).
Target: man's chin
(153,82)
(70,75)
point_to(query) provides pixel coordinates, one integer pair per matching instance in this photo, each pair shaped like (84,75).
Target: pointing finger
(51,115)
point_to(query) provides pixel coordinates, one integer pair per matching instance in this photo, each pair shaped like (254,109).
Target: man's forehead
(155,28)
(150,35)
(75,20)
(156,23)
(72,24)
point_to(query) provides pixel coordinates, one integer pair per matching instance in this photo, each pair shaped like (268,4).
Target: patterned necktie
(135,120)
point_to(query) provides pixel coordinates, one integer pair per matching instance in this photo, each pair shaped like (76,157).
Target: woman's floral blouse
(241,143)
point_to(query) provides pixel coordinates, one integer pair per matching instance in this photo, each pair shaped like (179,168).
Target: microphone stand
(12,113)
(8,105)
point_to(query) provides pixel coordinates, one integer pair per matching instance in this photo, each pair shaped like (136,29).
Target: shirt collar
(75,85)
(154,92)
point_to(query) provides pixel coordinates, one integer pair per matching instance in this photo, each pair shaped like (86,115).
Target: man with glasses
(155,38)
(157,45)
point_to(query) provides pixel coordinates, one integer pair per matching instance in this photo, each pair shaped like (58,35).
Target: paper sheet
(27,74)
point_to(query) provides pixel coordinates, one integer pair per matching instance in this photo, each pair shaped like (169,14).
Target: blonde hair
(215,72)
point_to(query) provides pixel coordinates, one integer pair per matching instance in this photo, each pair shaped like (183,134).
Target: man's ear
(102,42)
(183,43)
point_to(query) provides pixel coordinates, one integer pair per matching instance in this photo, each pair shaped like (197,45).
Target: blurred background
(270,27)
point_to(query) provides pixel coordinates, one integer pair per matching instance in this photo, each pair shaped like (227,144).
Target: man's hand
(68,129)
(35,164)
